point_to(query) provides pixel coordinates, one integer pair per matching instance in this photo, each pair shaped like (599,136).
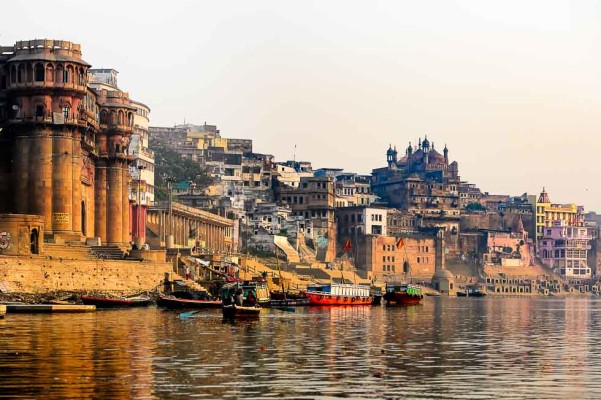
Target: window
(39,110)
(39,73)
(66,111)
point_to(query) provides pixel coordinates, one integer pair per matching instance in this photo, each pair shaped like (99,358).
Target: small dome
(426,143)
(444,273)
(390,151)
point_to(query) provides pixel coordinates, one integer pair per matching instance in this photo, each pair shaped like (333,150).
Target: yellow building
(547,212)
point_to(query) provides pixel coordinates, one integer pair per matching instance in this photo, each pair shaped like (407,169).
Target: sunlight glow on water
(447,347)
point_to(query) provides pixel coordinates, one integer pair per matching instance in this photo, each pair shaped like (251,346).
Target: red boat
(116,302)
(178,303)
(339,294)
(403,294)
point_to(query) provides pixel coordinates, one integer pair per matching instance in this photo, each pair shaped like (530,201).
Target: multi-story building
(563,248)
(314,200)
(64,146)
(141,190)
(289,173)
(353,190)
(468,193)
(547,213)
(361,220)
(401,223)
(422,180)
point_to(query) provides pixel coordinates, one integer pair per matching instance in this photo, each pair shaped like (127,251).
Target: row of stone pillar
(48,178)
(47,173)
(212,235)
(112,201)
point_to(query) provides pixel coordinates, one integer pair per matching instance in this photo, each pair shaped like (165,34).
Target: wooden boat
(376,295)
(2,311)
(116,302)
(339,294)
(175,302)
(288,299)
(234,311)
(403,294)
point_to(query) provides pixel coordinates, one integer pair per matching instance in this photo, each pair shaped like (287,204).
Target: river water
(445,348)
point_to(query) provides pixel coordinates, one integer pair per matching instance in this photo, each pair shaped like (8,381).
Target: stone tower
(57,160)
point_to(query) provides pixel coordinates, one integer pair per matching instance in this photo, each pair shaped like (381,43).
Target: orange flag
(400,243)
(347,246)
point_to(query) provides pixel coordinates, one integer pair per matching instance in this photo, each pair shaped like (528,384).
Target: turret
(445,152)
(390,155)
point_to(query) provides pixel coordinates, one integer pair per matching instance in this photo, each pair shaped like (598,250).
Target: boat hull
(100,302)
(175,303)
(289,302)
(2,311)
(325,299)
(231,311)
(403,298)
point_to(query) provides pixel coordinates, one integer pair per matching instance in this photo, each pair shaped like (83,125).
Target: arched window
(66,110)
(34,242)
(121,115)
(49,73)
(21,74)
(39,73)
(104,117)
(130,119)
(114,117)
(29,73)
(13,74)
(59,74)
(82,77)
(68,74)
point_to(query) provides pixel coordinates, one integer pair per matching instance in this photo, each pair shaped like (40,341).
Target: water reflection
(468,348)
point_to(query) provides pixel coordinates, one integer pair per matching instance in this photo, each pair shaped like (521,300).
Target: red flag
(347,246)
(400,243)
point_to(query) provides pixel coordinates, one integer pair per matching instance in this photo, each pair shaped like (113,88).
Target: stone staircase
(109,252)
(281,243)
(73,251)
(305,252)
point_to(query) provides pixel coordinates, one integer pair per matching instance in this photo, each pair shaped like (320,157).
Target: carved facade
(63,144)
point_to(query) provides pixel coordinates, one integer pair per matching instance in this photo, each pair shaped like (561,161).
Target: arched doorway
(34,242)
(84,220)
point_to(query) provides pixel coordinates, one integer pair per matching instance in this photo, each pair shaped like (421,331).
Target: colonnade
(190,227)
(47,178)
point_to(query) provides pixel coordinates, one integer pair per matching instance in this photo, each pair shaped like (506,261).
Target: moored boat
(2,311)
(179,303)
(339,294)
(116,302)
(288,299)
(403,294)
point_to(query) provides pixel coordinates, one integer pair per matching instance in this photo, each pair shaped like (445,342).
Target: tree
(475,207)
(169,163)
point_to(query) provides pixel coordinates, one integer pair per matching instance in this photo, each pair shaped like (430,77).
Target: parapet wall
(40,275)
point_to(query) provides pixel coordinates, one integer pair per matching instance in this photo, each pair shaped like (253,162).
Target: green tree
(170,164)
(475,207)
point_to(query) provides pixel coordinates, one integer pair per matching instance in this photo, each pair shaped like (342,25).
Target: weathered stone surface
(37,275)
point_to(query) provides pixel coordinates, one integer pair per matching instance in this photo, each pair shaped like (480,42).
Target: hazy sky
(512,87)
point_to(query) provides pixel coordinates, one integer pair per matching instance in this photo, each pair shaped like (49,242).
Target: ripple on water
(460,348)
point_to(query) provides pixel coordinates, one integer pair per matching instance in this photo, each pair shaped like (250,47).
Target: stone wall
(39,275)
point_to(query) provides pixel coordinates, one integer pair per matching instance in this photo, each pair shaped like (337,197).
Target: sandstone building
(64,145)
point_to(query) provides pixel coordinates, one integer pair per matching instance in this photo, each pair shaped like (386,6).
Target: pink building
(564,249)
